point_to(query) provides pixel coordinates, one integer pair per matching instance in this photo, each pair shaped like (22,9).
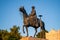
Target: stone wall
(53,35)
(31,38)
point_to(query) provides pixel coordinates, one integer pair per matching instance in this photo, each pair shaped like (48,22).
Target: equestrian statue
(31,20)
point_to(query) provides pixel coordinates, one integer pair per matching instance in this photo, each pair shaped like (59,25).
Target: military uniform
(33,18)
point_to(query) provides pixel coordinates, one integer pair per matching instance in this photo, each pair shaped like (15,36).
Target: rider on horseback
(33,17)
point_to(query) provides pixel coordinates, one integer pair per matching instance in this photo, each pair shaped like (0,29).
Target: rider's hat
(33,7)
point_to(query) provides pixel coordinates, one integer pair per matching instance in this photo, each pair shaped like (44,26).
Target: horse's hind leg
(35,31)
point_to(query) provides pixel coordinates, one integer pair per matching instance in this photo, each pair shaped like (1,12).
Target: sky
(10,14)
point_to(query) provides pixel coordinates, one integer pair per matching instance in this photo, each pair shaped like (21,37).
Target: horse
(27,22)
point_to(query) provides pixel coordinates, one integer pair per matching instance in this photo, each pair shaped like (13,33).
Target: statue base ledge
(31,38)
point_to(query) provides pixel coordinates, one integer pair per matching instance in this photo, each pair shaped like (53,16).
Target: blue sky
(10,15)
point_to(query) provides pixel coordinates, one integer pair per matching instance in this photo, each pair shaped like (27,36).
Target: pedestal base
(31,38)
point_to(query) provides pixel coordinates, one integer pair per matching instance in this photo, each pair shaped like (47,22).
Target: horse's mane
(26,13)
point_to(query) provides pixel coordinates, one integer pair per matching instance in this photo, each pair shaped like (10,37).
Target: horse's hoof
(23,32)
(34,35)
(27,36)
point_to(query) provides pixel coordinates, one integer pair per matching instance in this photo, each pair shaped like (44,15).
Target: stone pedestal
(31,38)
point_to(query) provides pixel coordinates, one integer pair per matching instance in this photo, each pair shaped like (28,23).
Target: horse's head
(22,9)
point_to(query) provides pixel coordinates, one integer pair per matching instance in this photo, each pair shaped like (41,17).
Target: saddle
(33,21)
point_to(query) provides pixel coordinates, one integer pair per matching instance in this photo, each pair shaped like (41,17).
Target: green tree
(1,34)
(12,35)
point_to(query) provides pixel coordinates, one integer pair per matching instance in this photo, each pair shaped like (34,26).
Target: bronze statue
(33,17)
(28,20)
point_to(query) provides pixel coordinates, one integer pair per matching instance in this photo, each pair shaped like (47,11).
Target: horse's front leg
(27,31)
(23,29)
(35,31)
